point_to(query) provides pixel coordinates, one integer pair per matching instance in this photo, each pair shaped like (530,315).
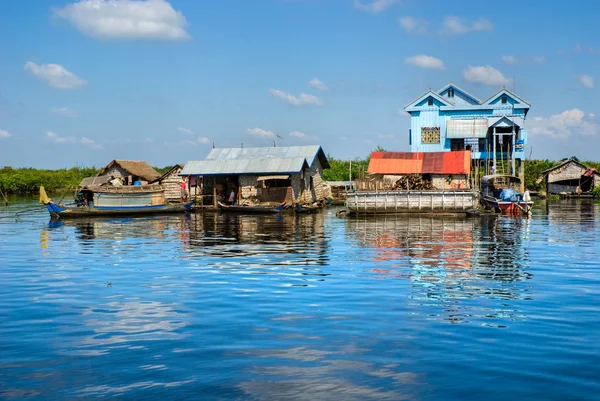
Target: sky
(85,82)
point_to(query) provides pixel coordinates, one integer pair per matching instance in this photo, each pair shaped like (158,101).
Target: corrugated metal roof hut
(269,174)
(570,178)
(170,181)
(442,170)
(130,171)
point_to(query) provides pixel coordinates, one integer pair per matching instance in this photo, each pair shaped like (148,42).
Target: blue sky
(85,82)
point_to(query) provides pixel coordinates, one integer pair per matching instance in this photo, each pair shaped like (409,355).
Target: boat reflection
(450,261)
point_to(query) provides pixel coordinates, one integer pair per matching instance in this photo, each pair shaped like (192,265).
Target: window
(430,102)
(450,92)
(504,100)
(430,135)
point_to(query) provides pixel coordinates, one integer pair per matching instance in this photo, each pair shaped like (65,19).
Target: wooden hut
(293,174)
(170,181)
(130,171)
(570,178)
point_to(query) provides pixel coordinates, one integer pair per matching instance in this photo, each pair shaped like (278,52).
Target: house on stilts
(570,178)
(262,175)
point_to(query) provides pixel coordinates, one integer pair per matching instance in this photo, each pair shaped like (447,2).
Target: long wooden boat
(307,209)
(115,201)
(250,209)
(502,193)
(424,202)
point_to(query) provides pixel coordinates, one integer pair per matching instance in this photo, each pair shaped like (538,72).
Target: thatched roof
(134,167)
(94,181)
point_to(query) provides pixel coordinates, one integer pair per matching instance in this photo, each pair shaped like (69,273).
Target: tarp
(468,128)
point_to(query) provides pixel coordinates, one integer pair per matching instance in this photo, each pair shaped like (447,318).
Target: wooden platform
(426,202)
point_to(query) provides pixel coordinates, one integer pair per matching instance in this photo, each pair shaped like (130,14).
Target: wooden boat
(307,209)
(115,201)
(250,209)
(502,193)
(425,202)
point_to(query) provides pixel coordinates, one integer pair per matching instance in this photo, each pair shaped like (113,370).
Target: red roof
(457,162)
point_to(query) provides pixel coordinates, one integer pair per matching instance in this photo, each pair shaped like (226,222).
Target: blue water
(313,307)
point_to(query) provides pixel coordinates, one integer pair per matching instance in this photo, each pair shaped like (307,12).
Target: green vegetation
(596,192)
(28,180)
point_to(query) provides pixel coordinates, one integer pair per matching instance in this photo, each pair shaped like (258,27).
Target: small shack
(293,174)
(130,171)
(170,181)
(570,178)
(417,171)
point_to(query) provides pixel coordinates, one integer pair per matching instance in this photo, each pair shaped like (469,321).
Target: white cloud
(587,81)
(261,133)
(65,112)
(564,125)
(126,19)
(577,48)
(454,25)
(298,134)
(591,115)
(375,6)
(413,25)
(71,139)
(538,59)
(300,100)
(55,75)
(184,130)
(425,61)
(318,84)
(510,59)
(402,112)
(148,140)
(203,140)
(486,75)
(4,133)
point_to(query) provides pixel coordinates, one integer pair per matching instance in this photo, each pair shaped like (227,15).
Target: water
(313,307)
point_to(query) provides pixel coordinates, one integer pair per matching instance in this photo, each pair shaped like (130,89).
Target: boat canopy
(491,178)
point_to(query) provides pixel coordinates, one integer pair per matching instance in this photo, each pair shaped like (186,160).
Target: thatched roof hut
(132,169)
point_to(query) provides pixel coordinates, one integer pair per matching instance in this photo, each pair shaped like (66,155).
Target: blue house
(452,119)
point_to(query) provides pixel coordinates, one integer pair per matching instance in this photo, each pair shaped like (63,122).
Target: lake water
(314,307)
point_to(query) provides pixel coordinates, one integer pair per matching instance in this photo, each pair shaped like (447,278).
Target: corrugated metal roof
(268,160)
(458,162)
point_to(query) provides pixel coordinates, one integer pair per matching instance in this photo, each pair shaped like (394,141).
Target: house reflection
(301,240)
(572,214)
(450,260)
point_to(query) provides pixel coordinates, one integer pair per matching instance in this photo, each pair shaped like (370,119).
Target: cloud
(126,19)
(413,25)
(510,59)
(577,48)
(486,75)
(385,136)
(591,115)
(455,26)
(71,139)
(184,130)
(587,81)
(298,134)
(4,133)
(375,6)
(564,125)
(318,84)
(538,59)
(203,140)
(261,133)
(55,75)
(65,112)
(148,140)
(424,61)
(300,100)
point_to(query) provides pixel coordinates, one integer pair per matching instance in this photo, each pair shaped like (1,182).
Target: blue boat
(135,200)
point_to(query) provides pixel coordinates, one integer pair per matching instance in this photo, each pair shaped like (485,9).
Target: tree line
(29,180)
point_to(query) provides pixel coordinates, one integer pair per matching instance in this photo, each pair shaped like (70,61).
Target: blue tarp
(508,194)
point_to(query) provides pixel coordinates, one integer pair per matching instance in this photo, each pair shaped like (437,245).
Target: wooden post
(215,191)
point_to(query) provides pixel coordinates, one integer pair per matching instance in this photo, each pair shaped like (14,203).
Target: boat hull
(505,206)
(91,211)
(425,202)
(250,209)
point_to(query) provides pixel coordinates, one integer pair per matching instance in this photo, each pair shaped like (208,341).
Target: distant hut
(130,171)
(570,179)
(426,170)
(257,175)
(170,181)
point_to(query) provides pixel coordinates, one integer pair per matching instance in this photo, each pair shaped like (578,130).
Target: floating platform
(425,202)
